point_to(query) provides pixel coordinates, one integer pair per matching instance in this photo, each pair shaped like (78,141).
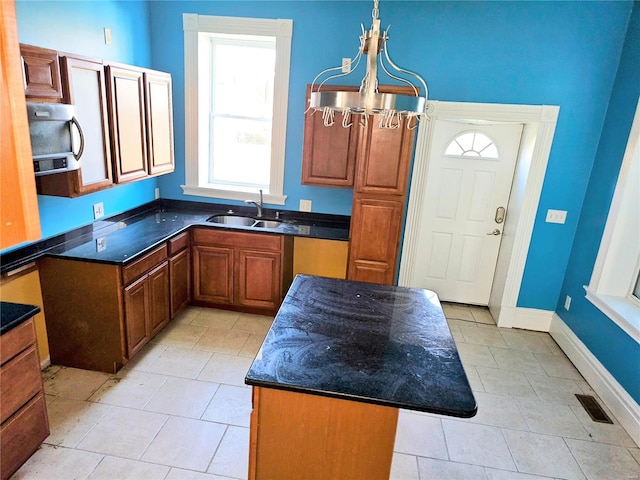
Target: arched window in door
(472,144)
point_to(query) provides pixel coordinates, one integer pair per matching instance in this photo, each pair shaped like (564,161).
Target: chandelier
(391,108)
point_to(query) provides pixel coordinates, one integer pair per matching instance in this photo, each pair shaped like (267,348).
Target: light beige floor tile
(186,316)
(493,474)
(227,369)
(498,411)
(144,358)
(404,467)
(557,366)
(551,418)
(505,382)
(453,322)
(604,462)
(474,378)
(181,474)
(58,463)
(180,335)
(49,399)
(180,362)
(111,468)
(185,443)
(518,360)
(232,457)
(527,341)
(420,435)
(70,420)
(483,336)
(253,323)
(555,390)
(123,432)
(473,354)
(222,341)
(542,455)
(453,311)
(230,405)
(635,453)
(74,383)
(50,371)
(441,469)
(553,346)
(456,334)
(213,318)
(182,397)
(131,389)
(482,315)
(477,444)
(252,345)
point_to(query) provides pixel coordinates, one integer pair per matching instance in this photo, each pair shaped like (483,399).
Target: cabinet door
(213,274)
(159,312)
(127,121)
(180,281)
(375,237)
(159,116)
(136,308)
(258,279)
(328,153)
(41,74)
(85,88)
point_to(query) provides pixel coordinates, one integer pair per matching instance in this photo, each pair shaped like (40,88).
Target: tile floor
(180,410)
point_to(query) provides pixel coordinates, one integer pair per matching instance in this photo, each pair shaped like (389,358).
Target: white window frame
(196,104)
(616,269)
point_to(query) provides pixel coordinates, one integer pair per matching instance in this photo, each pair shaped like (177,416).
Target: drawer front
(20,381)
(256,241)
(137,268)
(22,435)
(16,340)
(178,243)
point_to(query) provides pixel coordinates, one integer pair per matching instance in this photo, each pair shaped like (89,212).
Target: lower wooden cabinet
(248,271)
(180,281)
(24,414)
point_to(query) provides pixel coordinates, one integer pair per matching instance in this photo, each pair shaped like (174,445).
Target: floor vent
(594,409)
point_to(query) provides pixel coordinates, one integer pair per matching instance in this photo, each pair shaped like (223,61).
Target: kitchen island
(340,359)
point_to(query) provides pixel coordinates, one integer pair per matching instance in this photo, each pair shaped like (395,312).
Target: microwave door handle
(77,156)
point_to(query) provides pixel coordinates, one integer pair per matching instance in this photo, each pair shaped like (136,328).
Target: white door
(467,191)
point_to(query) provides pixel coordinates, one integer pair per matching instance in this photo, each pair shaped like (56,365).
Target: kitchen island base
(301,436)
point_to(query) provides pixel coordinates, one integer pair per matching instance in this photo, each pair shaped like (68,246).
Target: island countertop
(371,343)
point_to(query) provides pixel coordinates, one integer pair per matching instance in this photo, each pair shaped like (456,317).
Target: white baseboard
(45,363)
(621,404)
(525,318)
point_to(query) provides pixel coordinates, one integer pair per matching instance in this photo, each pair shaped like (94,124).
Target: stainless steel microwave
(57,140)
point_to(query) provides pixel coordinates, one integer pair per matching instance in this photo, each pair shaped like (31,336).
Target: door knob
(495,232)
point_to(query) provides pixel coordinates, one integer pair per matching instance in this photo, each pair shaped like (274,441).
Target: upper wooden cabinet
(328,153)
(19,217)
(159,122)
(41,72)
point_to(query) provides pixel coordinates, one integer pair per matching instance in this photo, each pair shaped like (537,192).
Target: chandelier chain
(375,11)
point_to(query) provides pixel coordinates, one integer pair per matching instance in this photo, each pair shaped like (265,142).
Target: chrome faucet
(258,204)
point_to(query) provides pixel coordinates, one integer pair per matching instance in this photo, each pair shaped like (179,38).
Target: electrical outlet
(304,229)
(567,302)
(305,205)
(157,193)
(346,65)
(98,210)
(107,36)
(556,216)
(101,244)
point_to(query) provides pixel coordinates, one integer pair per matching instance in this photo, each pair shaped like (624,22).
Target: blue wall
(77,27)
(616,350)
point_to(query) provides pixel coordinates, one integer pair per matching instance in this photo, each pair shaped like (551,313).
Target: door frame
(537,136)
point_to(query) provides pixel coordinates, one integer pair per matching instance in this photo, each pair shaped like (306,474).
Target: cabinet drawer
(16,340)
(22,435)
(19,381)
(146,263)
(255,241)
(178,243)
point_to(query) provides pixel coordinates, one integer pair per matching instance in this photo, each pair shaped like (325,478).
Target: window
(472,144)
(236,89)
(613,287)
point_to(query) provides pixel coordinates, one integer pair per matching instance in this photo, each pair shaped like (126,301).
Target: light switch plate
(98,210)
(107,36)
(305,205)
(556,216)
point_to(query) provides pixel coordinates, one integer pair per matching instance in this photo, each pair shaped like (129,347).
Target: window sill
(232,194)
(624,312)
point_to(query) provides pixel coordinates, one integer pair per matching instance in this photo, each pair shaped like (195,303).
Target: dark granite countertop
(371,343)
(13,314)
(121,238)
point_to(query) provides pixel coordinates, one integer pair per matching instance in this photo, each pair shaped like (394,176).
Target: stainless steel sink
(243,221)
(232,220)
